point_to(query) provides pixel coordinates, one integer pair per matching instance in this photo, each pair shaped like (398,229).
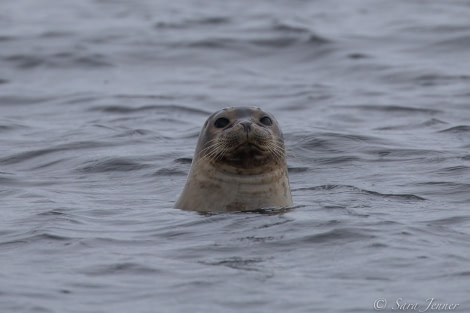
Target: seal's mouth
(249,147)
(246,154)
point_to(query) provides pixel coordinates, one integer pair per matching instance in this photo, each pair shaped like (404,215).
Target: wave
(31,238)
(447,221)
(391,109)
(113,165)
(191,23)
(261,42)
(28,155)
(59,60)
(461,129)
(123,109)
(348,188)
(21,100)
(119,269)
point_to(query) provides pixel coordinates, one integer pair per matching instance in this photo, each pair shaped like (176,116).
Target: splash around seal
(239,164)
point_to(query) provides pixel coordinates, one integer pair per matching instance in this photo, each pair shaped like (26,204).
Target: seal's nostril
(246,126)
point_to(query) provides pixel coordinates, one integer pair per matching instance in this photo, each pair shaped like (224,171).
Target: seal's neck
(211,188)
(236,176)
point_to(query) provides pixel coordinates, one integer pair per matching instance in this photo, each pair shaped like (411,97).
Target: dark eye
(221,122)
(266,121)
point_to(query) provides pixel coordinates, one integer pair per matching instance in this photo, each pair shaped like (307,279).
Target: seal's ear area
(209,119)
(204,135)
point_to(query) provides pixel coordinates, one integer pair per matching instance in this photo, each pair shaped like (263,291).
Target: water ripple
(58,60)
(347,188)
(121,109)
(191,23)
(128,268)
(461,129)
(113,165)
(28,155)
(237,263)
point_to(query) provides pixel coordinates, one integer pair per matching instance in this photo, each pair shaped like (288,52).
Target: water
(101,103)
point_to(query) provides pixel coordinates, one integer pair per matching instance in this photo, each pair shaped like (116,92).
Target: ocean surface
(101,103)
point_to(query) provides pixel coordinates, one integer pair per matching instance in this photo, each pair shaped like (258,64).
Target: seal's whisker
(277,151)
(276,147)
(290,153)
(209,145)
(212,146)
(209,153)
(276,155)
(217,151)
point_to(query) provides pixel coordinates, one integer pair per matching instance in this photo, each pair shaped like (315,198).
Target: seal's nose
(246,126)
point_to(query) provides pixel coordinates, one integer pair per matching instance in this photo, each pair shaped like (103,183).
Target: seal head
(239,164)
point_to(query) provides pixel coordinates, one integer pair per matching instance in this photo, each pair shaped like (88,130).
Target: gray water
(101,103)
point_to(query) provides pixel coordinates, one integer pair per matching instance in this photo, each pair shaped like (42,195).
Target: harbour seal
(239,164)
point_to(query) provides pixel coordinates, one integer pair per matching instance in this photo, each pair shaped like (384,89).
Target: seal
(239,164)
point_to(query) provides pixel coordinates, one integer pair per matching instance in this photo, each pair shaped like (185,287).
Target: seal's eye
(266,121)
(221,122)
